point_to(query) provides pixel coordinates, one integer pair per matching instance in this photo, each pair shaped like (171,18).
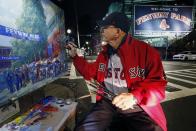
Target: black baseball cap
(117,19)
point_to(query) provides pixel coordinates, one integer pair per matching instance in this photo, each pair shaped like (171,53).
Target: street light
(68,31)
(68,34)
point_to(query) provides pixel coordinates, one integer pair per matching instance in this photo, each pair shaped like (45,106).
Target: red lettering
(109,73)
(116,70)
(122,75)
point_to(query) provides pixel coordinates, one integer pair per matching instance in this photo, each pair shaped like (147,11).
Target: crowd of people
(31,73)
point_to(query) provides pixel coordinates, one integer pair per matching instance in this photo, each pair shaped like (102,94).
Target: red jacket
(143,71)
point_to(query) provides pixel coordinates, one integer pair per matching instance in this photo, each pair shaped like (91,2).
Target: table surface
(57,119)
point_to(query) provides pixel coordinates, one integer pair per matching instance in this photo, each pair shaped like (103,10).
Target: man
(130,69)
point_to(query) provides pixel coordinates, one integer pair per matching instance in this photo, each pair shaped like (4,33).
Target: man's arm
(87,70)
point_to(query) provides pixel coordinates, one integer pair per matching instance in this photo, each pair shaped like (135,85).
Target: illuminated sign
(161,20)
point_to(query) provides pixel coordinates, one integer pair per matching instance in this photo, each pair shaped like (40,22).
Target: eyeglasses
(107,26)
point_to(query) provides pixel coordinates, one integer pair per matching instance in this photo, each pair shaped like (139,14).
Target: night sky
(88,12)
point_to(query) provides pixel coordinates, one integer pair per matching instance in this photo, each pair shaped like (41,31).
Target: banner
(10,58)
(18,34)
(161,20)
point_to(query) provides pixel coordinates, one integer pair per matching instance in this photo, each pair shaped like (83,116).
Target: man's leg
(140,121)
(98,119)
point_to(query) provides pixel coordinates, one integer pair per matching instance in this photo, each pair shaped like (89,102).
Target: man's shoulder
(141,45)
(101,55)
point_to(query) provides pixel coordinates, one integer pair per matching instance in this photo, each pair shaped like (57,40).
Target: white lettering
(182,18)
(150,16)
(23,35)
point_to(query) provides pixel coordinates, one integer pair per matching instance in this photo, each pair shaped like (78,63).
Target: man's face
(108,33)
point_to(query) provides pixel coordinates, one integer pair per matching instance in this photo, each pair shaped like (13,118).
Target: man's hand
(124,101)
(72,49)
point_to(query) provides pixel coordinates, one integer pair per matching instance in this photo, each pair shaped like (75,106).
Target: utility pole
(76,17)
(166,49)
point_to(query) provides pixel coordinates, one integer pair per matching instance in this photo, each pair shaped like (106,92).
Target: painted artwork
(30,52)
